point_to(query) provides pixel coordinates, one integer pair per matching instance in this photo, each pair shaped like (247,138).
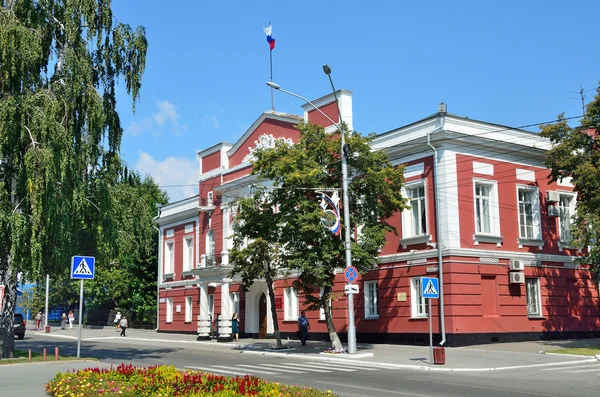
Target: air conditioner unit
(516,265)
(553,211)
(516,278)
(552,195)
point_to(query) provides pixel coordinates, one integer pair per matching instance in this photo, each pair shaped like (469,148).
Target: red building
(483,219)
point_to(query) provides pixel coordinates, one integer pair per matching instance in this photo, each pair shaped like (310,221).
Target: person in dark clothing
(303,327)
(235,327)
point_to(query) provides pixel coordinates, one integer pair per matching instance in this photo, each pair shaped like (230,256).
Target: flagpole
(271,68)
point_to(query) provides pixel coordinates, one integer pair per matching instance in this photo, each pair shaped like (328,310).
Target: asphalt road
(360,379)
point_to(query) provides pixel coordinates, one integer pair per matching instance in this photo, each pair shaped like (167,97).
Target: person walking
(71,319)
(235,327)
(117,321)
(123,323)
(303,327)
(38,321)
(63,321)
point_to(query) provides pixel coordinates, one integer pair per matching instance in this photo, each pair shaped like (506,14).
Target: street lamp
(346,202)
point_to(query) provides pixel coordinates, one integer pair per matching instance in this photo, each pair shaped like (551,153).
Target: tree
(575,154)
(60,134)
(255,254)
(299,173)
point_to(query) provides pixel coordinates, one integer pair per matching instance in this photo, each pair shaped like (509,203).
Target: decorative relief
(532,263)
(489,260)
(416,261)
(265,141)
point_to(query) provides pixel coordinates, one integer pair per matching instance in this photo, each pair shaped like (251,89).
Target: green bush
(167,381)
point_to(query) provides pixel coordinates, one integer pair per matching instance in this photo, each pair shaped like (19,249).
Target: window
(529,213)
(290,298)
(566,206)
(210,247)
(188,253)
(169,310)
(211,306)
(418,216)
(483,198)
(322,310)
(417,302)
(234,299)
(169,257)
(534,307)
(188,309)
(371,310)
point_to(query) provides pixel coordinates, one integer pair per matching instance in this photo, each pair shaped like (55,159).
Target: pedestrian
(303,327)
(38,321)
(63,321)
(217,324)
(71,319)
(235,327)
(117,321)
(212,325)
(123,324)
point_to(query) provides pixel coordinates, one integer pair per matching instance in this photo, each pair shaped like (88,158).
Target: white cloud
(165,116)
(177,175)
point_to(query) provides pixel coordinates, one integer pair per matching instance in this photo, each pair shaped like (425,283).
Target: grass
(21,356)
(581,351)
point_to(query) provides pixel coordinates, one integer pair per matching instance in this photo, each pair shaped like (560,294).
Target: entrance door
(262,317)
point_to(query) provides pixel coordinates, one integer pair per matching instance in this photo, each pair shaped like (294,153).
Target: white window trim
(169,310)
(407,234)
(566,243)
(188,309)
(539,297)
(494,236)
(169,267)
(416,299)
(290,308)
(367,285)
(188,261)
(535,240)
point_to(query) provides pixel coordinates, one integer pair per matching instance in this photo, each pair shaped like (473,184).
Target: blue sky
(509,62)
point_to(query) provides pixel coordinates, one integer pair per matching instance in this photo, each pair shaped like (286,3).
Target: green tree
(60,133)
(311,250)
(575,154)
(255,253)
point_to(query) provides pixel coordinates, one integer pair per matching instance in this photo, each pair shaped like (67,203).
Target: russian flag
(270,39)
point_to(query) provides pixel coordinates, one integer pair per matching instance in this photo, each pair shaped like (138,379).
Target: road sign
(430,287)
(82,267)
(351,289)
(350,274)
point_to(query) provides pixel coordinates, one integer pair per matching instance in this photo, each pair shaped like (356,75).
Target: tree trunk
(269,281)
(7,338)
(336,344)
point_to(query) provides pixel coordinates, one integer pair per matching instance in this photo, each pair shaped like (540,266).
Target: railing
(206,202)
(213,260)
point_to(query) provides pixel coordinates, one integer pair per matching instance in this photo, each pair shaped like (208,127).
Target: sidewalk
(493,357)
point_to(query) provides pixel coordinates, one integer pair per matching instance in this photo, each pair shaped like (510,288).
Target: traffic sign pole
(80,314)
(82,268)
(430,334)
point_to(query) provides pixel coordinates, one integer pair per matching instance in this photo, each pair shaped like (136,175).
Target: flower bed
(167,381)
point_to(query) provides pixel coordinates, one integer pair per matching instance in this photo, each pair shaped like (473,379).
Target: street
(359,378)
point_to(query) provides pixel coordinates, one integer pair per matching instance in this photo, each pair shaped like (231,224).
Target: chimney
(442,108)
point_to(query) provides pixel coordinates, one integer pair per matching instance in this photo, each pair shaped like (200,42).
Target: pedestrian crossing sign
(430,287)
(82,267)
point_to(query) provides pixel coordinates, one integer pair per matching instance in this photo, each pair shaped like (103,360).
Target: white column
(203,318)
(225,326)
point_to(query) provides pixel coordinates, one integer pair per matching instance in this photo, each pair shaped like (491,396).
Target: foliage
(60,134)
(127,380)
(575,154)
(255,254)
(311,249)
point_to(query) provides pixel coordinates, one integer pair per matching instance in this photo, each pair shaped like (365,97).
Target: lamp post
(346,202)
